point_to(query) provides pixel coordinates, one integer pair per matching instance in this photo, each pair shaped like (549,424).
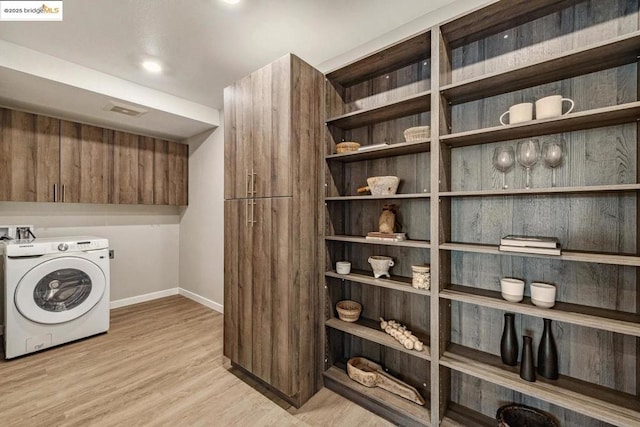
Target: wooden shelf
(613,53)
(424,244)
(600,258)
(370,331)
(498,17)
(586,189)
(395,196)
(377,400)
(407,106)
(394,57)
(396,283)
(592,317)
(458,415)
(595,401)
(600,117)
(391,150)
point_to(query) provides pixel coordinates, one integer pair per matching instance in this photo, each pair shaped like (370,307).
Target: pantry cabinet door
(274,345)
(238,283)
(29,157)
(86,168)
(238,135)
(271,92)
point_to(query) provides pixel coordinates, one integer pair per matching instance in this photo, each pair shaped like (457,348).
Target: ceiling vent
(127,110)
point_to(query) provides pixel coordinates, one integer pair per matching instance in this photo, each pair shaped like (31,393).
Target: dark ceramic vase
(509,342)
(527,368)
(548,353)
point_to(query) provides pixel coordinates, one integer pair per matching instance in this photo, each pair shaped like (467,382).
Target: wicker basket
(347,147)
(348,311)
(417,133)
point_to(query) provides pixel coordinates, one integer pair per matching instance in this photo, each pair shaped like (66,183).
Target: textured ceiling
(205,45)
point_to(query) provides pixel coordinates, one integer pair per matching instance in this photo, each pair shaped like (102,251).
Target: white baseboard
(202,300)
(142,298)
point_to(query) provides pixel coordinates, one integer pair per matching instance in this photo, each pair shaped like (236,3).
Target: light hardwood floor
(160,363)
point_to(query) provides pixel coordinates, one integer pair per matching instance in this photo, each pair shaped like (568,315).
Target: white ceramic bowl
(512,289)
(343,267)
(383,185)
(543,294)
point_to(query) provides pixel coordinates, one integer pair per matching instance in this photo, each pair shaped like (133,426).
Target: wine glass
(528,153)
(553,155)
(503,160)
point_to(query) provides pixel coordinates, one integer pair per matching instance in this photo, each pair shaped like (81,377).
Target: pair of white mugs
(542,294)
(547,107)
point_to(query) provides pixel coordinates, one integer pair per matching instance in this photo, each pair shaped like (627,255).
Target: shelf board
(599,117)
(396,283)
(394,196)
(377,400)
(414,104)
(592,317)
(595,401)
(600,258)
(613,188)
(391,150)
(370,331)
(388,59)
(613,53)
(357,239)
(498,17)
(461,416)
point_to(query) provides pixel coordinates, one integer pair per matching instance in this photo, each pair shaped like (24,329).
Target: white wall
(202,223)
(145,240)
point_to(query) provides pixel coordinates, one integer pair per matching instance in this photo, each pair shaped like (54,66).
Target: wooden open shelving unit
(458,77)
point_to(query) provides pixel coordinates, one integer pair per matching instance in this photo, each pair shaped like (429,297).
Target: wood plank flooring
(160,364)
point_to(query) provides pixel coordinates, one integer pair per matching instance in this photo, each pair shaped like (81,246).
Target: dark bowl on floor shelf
(515,415)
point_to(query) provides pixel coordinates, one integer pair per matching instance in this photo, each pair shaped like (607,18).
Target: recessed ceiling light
(232,1)
(152,66)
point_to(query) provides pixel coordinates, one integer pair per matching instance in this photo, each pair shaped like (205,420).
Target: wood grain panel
(178,158)
(86,163)
(146,179)
(238,140)
(125,168)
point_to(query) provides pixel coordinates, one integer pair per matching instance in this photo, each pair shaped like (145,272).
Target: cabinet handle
(55,193)
(253,182)
(63,192)
(246,211)
(248,186)
(253,218)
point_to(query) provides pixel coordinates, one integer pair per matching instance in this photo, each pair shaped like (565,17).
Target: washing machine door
(60,290)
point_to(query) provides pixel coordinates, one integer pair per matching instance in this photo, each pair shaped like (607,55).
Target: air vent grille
(127,110)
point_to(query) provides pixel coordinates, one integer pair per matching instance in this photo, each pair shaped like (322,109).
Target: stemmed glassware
(553,155)
(503,160)
(527,154)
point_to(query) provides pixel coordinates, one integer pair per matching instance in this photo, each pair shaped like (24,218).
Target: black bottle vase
(548,353)
(509,342)
(527,368)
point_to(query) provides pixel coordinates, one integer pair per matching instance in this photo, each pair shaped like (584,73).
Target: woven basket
(417,133)
(348,311)
(347,147)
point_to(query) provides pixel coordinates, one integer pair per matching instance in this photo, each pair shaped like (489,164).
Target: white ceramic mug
(512,289)
(518,113)
(380,265)
(343,267)
(543,294)
(551,106)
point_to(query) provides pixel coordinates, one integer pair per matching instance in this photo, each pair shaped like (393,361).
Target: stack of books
(387,237)
(530,245)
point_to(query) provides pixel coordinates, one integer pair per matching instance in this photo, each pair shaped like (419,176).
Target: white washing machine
(56,290)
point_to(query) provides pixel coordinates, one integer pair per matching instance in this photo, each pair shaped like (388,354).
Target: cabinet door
(238,151)
(238,283)
(271,91)
(29,157)
(132,169)
(85,163)
(171,173)
(274,345)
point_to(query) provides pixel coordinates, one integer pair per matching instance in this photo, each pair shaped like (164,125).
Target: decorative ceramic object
(520,415)
(512,289)
(343,267)
(518,113)
(551,106)
(387,221)
(509,341)
(370,374)
(349,311)
(543,294)
(421,276)
(547,353)
(527,368)
(403,335)
(380,265)
(381,185)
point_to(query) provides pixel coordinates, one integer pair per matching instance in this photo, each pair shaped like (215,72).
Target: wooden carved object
(387,221)
(401,334)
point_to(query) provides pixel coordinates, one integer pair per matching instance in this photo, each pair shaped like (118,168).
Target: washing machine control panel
(43,246)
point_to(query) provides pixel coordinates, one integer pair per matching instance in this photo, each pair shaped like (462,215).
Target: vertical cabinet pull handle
(253,182)
(55,193)
(248,186)
(63,192)
(253,218)
(246,211)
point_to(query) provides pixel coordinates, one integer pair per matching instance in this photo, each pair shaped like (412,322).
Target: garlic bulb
(401,334)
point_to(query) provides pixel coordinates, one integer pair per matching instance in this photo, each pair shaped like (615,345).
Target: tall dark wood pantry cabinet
(273,128)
